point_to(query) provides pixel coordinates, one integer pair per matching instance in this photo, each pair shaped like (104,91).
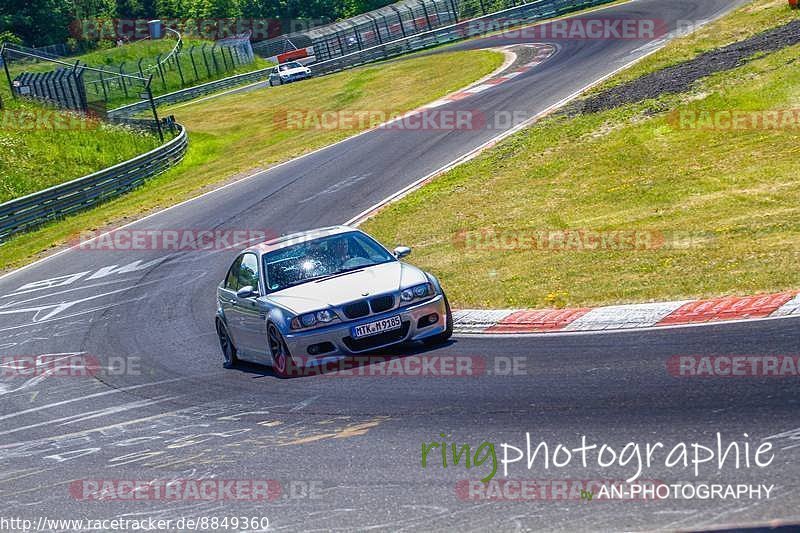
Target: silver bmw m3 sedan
(324,293)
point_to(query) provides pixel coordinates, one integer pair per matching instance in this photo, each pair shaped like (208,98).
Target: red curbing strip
(534,321)
(730,308)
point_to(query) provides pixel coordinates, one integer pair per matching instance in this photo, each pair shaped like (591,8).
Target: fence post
(4,56)
(139,66)
(153,108)
(400,18)
(72,80)
(375,24)
(103,85)
(161,72)
(222,54)
(214,58)
(425,10)
(194,65)
(122,78)
(455,9)
(413,18)
(178,65)
(205,59)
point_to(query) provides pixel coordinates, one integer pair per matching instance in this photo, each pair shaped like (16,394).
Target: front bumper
(295,77)
(340,337)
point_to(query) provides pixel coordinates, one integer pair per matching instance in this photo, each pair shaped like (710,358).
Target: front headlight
(416,292)
(311,319)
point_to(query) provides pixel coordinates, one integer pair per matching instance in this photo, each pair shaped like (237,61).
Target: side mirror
(401,251)
(246,292)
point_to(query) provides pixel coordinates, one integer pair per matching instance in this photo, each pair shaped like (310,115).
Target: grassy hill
(42,147)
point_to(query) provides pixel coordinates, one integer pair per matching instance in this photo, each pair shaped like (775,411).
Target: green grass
(736,192)
(238,133)
(41,147)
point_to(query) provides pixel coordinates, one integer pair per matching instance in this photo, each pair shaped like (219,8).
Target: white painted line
(792,307)
(474,320)
(624,316)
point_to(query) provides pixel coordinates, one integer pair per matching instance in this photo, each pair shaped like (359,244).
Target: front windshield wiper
(342,272)
(306,280)
(321,277)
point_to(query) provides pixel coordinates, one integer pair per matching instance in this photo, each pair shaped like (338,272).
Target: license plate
(379,326)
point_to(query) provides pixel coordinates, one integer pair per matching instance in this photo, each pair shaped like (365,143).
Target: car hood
(293,71)
(378,279)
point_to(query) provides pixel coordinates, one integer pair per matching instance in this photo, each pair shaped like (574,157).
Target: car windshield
(288,66)
(321,258)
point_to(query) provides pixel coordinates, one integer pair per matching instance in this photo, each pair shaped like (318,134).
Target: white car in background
(288,72)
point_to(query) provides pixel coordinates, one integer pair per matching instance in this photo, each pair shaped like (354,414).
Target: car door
(228,301)
(251,316)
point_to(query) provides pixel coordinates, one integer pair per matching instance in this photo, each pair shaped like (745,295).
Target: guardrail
(192,92)
(25,213)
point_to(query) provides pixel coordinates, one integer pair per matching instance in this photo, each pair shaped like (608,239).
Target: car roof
(294,238)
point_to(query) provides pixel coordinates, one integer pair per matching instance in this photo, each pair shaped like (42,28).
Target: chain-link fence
(403,26)
(344,45)
(66,85)
(117,84)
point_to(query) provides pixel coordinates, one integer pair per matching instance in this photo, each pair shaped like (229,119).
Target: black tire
(444,336)
(282,362)
(229,358)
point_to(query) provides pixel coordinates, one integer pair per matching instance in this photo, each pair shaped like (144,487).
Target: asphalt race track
(346,451)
